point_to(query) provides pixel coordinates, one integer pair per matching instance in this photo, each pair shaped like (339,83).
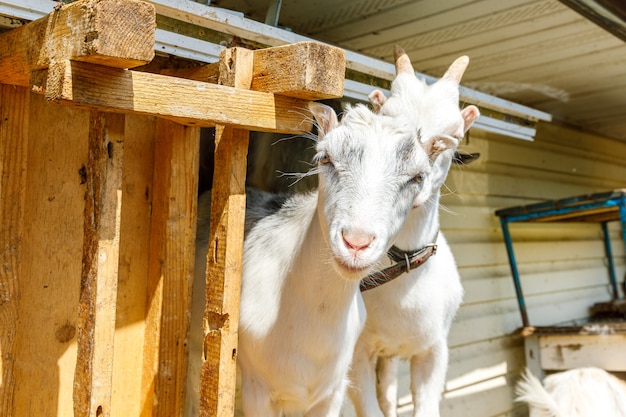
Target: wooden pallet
(98,187)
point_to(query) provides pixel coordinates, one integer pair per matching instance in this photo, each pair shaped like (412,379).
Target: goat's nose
(357,240)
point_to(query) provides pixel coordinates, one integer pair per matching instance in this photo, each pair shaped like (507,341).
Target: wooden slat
(562,352)
(306,70)
(224,257)
(117,33)
(51,266)
(13,156)
(98,290)
(172,251)
(184,101)
(128,393)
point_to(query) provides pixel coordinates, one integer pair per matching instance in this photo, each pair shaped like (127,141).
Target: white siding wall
(562,266)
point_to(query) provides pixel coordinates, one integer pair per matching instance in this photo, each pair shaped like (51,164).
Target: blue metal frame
(598,208)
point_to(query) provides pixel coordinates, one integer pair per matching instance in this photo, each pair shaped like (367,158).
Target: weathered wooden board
(172,251)
(14,116)
(307,70)
(116,90)
(117,33)
(224,257)
(128,393)
(98,289)
(562,352)
(50,279)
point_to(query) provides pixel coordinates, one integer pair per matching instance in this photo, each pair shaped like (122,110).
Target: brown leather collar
(405,262)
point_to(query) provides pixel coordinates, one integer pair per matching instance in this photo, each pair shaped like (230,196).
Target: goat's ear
(438,144)
(325,117)
(377,99)
(470,114)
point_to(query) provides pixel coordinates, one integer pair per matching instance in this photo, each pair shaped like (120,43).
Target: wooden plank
(98,289)
(218,375)
(117,33)
(208,73)
(224,257)
(116,90)
(306,70)
(128,393)
(13,156)
(532,352)
(172,252)
(562,352)
(51,260)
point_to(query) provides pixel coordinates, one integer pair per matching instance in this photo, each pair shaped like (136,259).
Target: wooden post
(172,253)
(128,393)
(224,257)
(98,289)
(117,33)
(13,155)
(51,254)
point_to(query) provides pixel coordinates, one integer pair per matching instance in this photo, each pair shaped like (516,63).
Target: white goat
(581,392)
(410,316)
(301,308)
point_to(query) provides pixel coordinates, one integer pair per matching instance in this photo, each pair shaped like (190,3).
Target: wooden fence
(98,188)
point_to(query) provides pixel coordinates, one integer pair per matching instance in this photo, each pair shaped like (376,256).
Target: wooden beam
(98,290)
(563,352)
(128,392)
(52,249)
(306,70)
(116,33)
(184,101)
(224,257)
(13,157)
(172,254)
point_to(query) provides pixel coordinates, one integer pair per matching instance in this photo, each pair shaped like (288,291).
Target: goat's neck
(422,225)
(312,272)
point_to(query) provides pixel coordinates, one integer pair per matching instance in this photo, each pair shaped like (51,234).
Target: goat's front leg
(331,405)
(428,378)
(387,385)
(362,389)
(256,401)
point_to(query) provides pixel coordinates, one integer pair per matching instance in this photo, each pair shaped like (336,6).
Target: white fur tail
(530,390)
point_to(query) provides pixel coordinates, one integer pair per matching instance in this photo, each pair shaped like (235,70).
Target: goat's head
(433,110)
(371,168)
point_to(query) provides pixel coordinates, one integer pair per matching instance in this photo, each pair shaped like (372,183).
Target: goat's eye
(419,178)
(323,159)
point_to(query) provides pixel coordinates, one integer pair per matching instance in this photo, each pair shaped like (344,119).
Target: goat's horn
(403,63)
(456,70)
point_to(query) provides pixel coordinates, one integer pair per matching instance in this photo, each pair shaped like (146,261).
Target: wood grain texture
(94,86)
(128,393)
(306,70)
(172,251)
(98,289)
(51,266)
(13,157)
(117,33)
(224,258)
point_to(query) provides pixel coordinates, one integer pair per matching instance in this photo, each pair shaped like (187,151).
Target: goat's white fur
(301,308)
(410,317)
(581,392)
